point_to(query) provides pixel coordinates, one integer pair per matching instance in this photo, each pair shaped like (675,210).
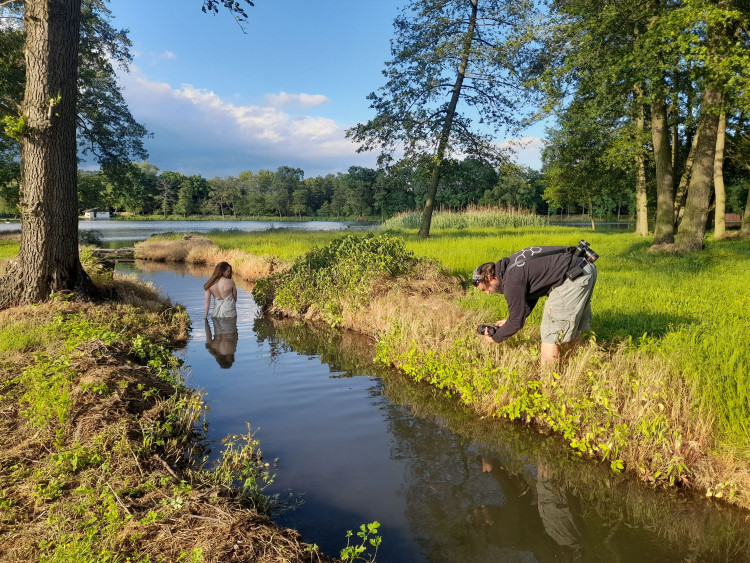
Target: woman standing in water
(221,286)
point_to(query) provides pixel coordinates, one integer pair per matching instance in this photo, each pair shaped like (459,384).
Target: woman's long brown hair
(221,267)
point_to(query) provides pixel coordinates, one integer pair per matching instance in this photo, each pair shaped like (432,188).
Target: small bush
(347,266)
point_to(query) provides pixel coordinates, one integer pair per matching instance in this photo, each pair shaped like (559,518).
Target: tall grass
(283,244)
(693,309)
(471,218)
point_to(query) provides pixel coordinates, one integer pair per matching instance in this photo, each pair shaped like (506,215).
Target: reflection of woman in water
(223,344)
(221,286)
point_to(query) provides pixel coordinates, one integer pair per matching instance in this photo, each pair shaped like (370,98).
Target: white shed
(96,213)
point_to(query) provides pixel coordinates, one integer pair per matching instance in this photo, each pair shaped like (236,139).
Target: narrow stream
(356,444)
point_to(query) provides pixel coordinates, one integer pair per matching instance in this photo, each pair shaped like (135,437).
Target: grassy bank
(100,455)
(660,388)
(10,243)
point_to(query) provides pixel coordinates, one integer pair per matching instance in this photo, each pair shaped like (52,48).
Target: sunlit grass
(284,244)
(8,248)
(693,308)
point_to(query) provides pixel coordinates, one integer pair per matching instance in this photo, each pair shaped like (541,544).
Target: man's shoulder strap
(521,259)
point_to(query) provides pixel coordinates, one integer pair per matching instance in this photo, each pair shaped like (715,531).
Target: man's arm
(515,295)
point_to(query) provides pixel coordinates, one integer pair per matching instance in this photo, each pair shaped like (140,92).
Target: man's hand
(487,337)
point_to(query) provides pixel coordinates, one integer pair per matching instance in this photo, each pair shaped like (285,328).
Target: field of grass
(283,244)
(9,245)
(694,308)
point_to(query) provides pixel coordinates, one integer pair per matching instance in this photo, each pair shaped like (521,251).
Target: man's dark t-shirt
(523,280)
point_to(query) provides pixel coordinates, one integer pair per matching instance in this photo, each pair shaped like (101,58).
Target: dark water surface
(361,444)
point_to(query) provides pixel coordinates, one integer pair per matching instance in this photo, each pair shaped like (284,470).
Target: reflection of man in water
(552,512)
(555,512)
(223,344)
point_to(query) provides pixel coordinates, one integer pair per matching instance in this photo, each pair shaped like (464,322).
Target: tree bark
(664,228)
(682,188)
(641,199)
(48,258)
(745,229)
(720,224)
(692,228)
(424,228)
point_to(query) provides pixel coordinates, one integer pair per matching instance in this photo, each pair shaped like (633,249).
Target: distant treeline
(142,189)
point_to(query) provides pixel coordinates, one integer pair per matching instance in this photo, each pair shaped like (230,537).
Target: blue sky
(219,101)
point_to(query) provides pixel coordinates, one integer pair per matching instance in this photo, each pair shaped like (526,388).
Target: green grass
(284,244)
(8,249)
(694,308)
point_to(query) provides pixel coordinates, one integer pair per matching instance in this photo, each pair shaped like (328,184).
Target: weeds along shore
(101,454)
(659,389)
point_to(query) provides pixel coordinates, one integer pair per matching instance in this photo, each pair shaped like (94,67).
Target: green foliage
(15,127)
(346,267)
(419,103)
(99,274)
(369,535)
(241,465)
(25,338)
(47,397)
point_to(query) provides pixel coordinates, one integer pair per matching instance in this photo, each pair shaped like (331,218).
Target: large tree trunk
(720,224)
(745,229)
(48,259)
(664,228)
(424,228)
(692,228)
(641,199)
(682,188)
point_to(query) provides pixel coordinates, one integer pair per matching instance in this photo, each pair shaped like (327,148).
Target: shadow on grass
(612,326)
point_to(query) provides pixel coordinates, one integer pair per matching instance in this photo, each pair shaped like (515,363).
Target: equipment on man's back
(586,255)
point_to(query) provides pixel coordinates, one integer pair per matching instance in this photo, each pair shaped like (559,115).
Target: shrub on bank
(347,268)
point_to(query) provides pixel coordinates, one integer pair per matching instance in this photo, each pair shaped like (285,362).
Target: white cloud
(526,151)
(168,55)
(302,100)
(196,131)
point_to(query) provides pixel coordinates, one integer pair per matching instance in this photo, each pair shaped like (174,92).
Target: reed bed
(471,218)
(201,251)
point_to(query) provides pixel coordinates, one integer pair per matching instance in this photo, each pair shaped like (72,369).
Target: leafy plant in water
(368,535)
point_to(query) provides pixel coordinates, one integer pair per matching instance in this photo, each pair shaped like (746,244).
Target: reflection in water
(445,485)
(223,343)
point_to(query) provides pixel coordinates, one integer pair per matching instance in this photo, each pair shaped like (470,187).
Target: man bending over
(566,274)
